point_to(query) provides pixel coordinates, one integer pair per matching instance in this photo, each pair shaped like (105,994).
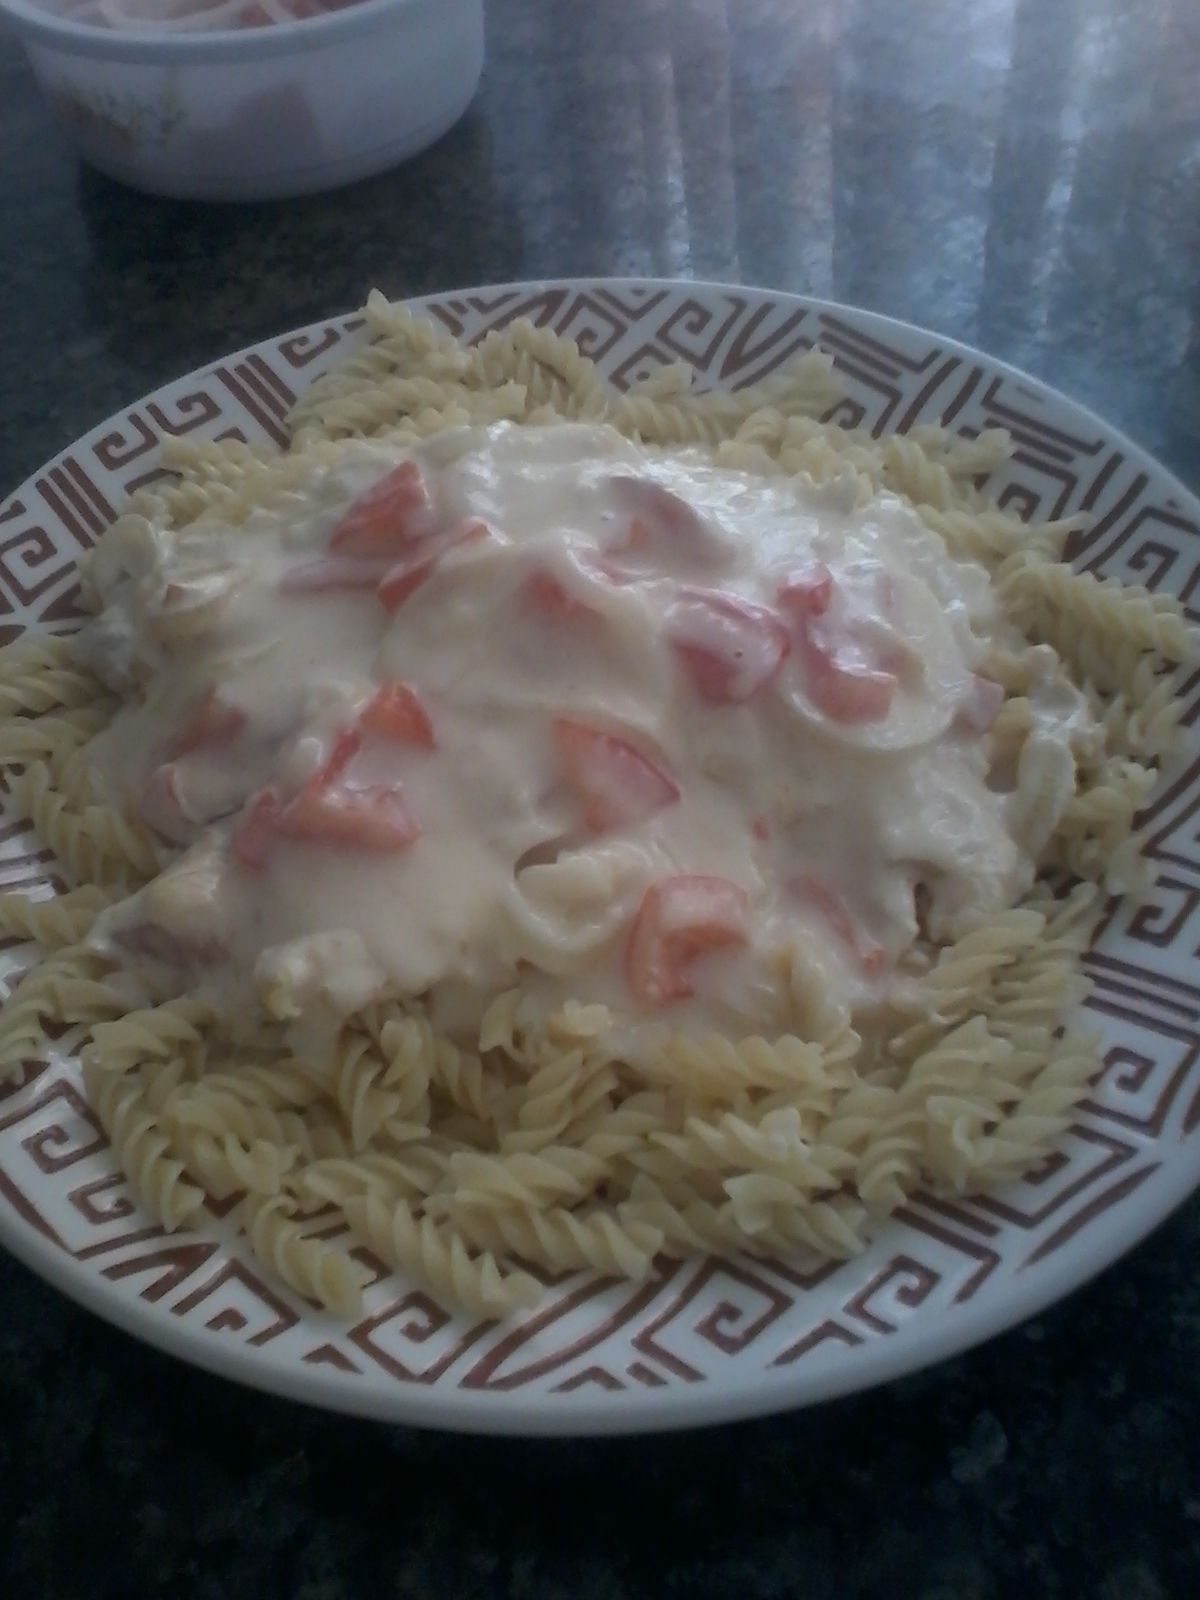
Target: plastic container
(258,113)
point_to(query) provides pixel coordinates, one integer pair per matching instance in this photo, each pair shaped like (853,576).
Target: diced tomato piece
(407,575)
(333,573)
(980,706)
(374,818)
(841,681)
(814,891)
(469,531)
(211,722)
(396,712)
(679,920)
(844,689)
(402,579)
(550,595)
(388,518)
(731,647)
(807,591)
(256,828)
(844,682)
(553,599)
(616,782)
(347,742)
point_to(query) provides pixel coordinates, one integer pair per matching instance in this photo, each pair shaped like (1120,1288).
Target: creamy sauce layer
(531,705)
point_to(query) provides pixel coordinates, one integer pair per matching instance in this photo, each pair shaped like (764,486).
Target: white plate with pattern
(702,1341)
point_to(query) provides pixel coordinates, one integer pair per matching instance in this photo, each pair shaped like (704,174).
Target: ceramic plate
(702,1341)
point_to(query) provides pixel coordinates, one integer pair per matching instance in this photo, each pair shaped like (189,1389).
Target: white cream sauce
(802,741)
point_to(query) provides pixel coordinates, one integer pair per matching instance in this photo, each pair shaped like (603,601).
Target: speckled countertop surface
(1020,174)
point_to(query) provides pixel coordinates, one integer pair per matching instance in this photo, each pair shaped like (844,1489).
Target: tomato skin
(388,517)
(402,579)
(845,690)
(732,648)
(396,712)
(256,828)
(679,920)
(374,818)
(406,576)
(210,723)
(347,742)
(550,596)
(617,783)
(807,591)
(844,693)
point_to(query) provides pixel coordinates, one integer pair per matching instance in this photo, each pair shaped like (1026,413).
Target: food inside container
(162,16)
(251,99)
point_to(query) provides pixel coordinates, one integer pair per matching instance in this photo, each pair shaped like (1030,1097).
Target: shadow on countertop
(271,265)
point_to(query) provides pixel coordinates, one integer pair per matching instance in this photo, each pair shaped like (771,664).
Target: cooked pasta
(545,1127)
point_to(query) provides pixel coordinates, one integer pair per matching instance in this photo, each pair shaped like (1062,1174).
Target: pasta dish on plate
(526,828)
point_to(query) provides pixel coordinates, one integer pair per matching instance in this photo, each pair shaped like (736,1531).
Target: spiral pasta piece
(439,1258)
(39,674)
(56,922)
(155,1033)
(158,1178)
(557,1238)
(319,1272)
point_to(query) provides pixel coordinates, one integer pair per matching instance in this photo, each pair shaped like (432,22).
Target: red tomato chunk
(731,647)
(396,712)
(255,829)
(844,689)
(210,723)
(840,681)
(404,577)
(616,782)
(346,745)
(553,599)
(388,518)
(374,818)
(807,591)
(680,920)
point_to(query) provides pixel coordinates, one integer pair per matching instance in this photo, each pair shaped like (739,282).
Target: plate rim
(772,1390)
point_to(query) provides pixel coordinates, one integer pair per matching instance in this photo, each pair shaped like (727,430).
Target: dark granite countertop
(1020,174)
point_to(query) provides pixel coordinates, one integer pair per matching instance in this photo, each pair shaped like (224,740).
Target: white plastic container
(259,113)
